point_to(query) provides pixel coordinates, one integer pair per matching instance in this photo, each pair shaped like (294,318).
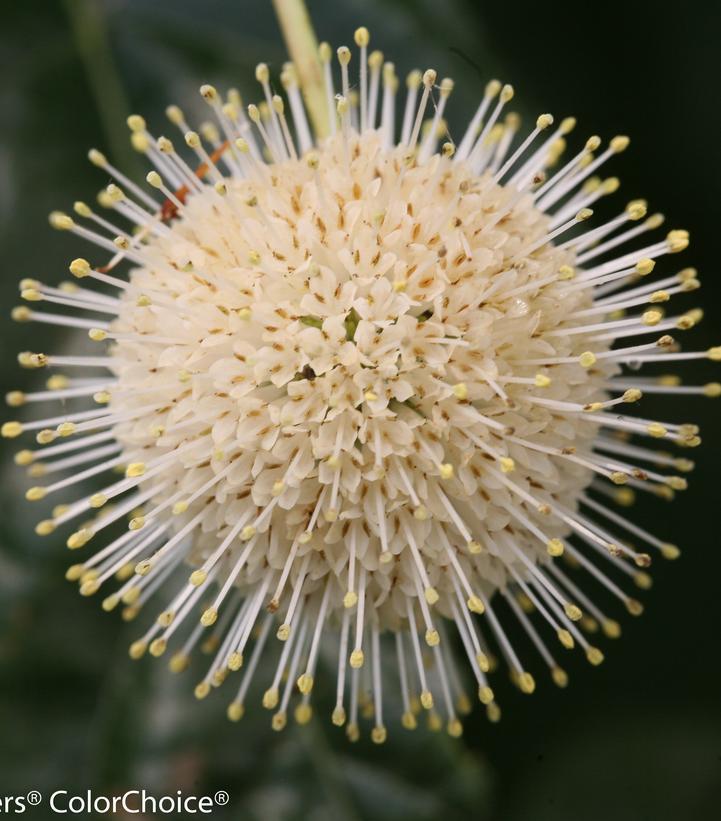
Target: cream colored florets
(362,389)
(355,348)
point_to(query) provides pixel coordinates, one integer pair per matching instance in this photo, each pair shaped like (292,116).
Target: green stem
(302,46)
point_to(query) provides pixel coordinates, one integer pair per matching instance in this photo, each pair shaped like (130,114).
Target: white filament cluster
(363,387)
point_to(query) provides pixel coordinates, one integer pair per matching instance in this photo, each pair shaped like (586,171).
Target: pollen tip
(572,611)
(432,637)
(526,683)
(362,37)
(209,617)
(137,649)
(594,655)
(11,430)
(475,604)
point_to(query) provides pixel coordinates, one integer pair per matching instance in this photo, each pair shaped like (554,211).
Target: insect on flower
(365,387)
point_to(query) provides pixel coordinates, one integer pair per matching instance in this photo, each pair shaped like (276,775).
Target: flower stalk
(302,45)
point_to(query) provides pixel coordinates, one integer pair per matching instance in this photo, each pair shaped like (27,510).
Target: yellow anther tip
(677,240)
(429,77)
(197,577)
(637,209)
(305,683)
(460,390)
(303,713)
(165,619)
(202,690)
(45,528)
(279,721)
(454,728)
(350,599)
(110,602)
(270,698)
(23,457)
(79,538)
(235,711)
(158,647)
(651,317)
(209,92)
(572,611)
(89,587)
(420,513)
(432,638)
(507,464)
(137,649)
(408,721)
(485,694)
(34,494)
(209,617)
(634,607)
(670,551)
(611,628)
(362,37)
(507,93)
(178,663)
(10,430)
(566,639)
(594,655)
(526,683)
(475,605)
(135,469)
(61,221)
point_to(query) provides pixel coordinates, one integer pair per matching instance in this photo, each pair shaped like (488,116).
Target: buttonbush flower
(361,394)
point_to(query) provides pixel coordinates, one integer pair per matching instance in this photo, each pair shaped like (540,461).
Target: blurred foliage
(639,738)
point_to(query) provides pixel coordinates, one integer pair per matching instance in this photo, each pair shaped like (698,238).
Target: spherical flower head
(361,386)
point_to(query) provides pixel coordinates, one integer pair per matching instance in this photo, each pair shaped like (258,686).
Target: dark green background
(638,738)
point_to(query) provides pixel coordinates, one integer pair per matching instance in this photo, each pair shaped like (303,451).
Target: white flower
(364,388)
